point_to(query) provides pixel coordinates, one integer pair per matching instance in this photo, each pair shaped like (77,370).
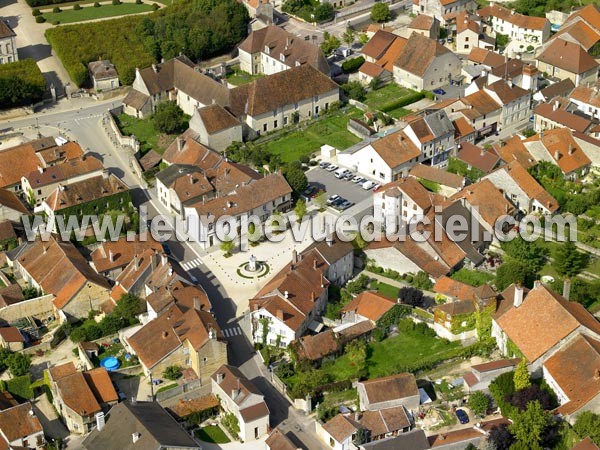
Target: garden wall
(40,308)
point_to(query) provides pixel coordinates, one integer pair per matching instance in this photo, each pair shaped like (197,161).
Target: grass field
(403,350)
(144,131)
(328,130)
(385,95)
(386,289)
(213,434)
(88,12)
(472,277)
(238,77)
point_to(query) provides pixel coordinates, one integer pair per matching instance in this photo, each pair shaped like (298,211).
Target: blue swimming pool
(110,363)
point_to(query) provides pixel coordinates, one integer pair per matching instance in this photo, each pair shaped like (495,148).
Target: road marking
(234,331)
(191,264)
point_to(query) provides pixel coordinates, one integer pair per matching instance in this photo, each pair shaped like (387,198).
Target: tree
(501,388)
(172,373)
(374,83)
(568,261)
(501,438)
(523,397)
(525,251)
(330,43)
(300,209)
(227,247)
(357,355)
(361,437)
(321,200)
(529,425)
(421,281)
(363,38)
(521,377)
(348,36)
(128,307)
(470,447)
(18,364)
(380,12)
(323,12)
(411,296)
(295,178)
(478,403)
(512,272)
(588,424)
(169,118)
(354,89)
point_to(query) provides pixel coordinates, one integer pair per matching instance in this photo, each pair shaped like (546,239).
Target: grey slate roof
(175,171)
(156,428)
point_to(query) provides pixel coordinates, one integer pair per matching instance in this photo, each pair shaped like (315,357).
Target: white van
(339,173)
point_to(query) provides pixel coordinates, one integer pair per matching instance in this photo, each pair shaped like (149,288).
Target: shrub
(56,9)
(36,12)
(40,19)
(116,2)
(20,387)
(77,7)
(403,101)
(97,5)
(353,64)
(155,6)
(172,373)
(21,83)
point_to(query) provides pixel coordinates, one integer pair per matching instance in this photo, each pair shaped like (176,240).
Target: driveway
(32,43)
(327,182)
(45,412)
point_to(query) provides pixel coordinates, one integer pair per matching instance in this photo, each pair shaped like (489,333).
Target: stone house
(405,199)
(80,396)
(586,99)
(104,76)
(426,25)
(11,339)
(239,396)
(20,427)
(56,267)
(111,257)
(272,49)
(389,392)
(425,64)
(180,336)
(563,59)
(216,127)
(522,189)
(8,43)
(444,10)
(481,375)
(11,207)
(39,184)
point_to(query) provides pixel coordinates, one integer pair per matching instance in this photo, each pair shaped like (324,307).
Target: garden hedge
(403,101)
(21,84)
(352,65)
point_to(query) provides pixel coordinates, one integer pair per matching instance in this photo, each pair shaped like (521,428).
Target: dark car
(309,193)
(462,416)
(345,205)
(439,91)
(166,249)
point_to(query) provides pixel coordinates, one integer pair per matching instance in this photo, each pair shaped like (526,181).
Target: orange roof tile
(390,388)
(370,305)
(563,149)
(452,288)
(490,201)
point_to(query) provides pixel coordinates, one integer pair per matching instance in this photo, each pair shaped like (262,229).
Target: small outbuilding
(103,74)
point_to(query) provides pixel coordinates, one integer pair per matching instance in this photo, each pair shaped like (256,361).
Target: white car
(368,185)
(331,168)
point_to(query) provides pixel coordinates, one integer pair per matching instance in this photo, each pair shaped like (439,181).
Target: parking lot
(326,181)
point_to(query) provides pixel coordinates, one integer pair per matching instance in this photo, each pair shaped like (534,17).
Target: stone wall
(40,308)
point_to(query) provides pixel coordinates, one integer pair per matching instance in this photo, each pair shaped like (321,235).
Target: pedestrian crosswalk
(233,331)
(191,264)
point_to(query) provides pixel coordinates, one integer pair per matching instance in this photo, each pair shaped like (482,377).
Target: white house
(404,199)
(8,43)
(240,397)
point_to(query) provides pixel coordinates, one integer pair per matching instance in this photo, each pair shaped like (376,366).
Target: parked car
(309,193)
(331,168)
(348,176)
(367,185)
(166,249)
(450,39)
(376,186)
(340,173)
(358,179)
(439,91)
(345,205)
(323,164)
(462,416)
(332,199)
(442,41)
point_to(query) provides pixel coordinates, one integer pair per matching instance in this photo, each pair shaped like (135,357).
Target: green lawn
(88,12)
(213,434)
(395,354)
(472,277)
(386,289)
(144,131)
(399,112)
(167,387)
(385,95)
(328,130)
(239,77)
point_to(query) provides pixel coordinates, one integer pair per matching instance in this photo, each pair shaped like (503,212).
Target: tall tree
(521,377)
(568,261)
(528,426)
(588,424)
(380,12)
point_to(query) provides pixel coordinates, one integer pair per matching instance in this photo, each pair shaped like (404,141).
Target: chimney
(234,393)
(135,437)
(197,306)
(100,421)
(482,153)
(279,314)
(111,256)
(557,155)
(40,169)
(537,284)
(315,264)
(555,107)
(567,288)
(135,262)
(286,294)
(294,257)
(163,259)
(597,374)
(180,143)
(518,300)
(155,68)
(220,378)
(165,334)
(571,149)
(357,416)
(313,297)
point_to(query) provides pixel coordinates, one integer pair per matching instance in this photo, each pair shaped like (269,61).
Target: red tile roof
(567,56)
(455,289)
(484,160)
(370,305)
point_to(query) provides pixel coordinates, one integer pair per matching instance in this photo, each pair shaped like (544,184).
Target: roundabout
(253,269)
